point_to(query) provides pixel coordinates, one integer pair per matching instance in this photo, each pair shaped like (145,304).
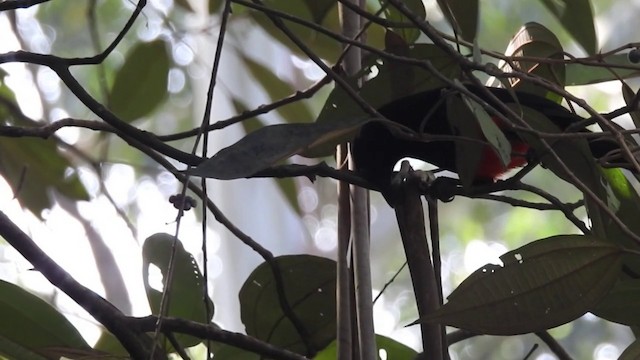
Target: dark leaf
(286,185)
(309,286)
(33,167)
(269,145)
(580,74)
(462,15)
(629,98)
(535,40)
(619,304)
(140,85)
(541,285)
(392,348)
(409,34)
(577,18)
(31,327)
(186,299)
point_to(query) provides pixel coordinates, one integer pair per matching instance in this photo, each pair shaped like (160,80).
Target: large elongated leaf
(581,74)
(141,83)
(577,18)
(462,15)
(620,304)
(186,299)
(32,328)
(541,285)
(309,286)
(270,144)
(33,167)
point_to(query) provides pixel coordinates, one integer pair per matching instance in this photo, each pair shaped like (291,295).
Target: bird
(377,148)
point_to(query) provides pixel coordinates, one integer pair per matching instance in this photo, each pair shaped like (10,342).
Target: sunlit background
(473,232)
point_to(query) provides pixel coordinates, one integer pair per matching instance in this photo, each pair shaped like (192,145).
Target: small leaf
(140,85)
(30,323)
(576,16)
(270,144)
(186,299)
(309,286)
(541,285)
(629,97)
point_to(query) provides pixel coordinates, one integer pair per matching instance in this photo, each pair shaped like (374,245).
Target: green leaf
(186,299)
(392,348)
(277,89)
(309,286)
(140,85)
(270,144)
(33,167)
(619,304)
(576,16)
(581,74)
(409,34)
(541,285)
(535,40)
(462,15)
(286,185)
(31,325)
(629,96)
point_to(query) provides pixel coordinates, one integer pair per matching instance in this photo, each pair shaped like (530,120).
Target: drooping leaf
(270,144)
(140,85)
(309,287)
(32,327)
(462,15)
(629,96)
(535,40)
(576,16)
(34,167)
(541,285)
(286,185)
(186,299)
(409,34)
